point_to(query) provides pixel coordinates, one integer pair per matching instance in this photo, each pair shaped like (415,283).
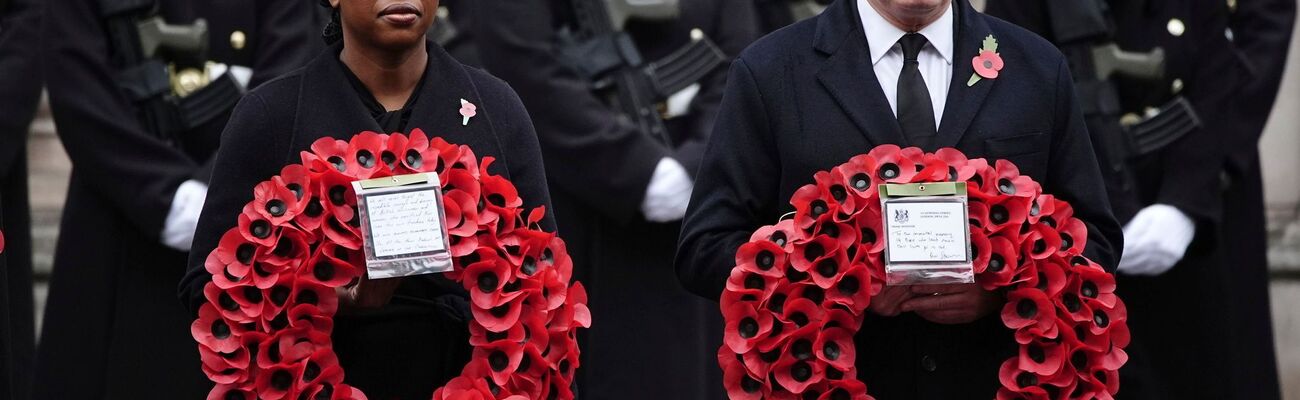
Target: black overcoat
(652,340)
(1262,36)
(20,89)
(805,99)
(112,324)
(401,350)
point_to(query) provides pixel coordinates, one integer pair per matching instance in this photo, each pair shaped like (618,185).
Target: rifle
(163,68)
(1083,32)
(603,53)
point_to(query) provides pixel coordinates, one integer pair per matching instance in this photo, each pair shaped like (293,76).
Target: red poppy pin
(988,63)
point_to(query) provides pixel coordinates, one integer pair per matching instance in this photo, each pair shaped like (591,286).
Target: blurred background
(1280,147)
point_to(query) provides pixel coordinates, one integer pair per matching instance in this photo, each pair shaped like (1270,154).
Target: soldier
(1164,135)
(139,109)
(1261,34)
(620,191)
(20,89)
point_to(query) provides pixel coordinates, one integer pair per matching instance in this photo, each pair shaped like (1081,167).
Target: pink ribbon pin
(467,110)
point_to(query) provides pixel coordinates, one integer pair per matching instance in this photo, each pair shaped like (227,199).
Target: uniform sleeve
(1192,165)
(288,37)
(129,167)
(590,152)
(736,186)
(249,154)
(20,36)
(735,27)
(1075,176)
(1262,32)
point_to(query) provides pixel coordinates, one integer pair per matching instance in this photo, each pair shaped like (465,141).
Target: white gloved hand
(1155,240)
(183,218)
(669,192)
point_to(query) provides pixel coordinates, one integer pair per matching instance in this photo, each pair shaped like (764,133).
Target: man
(113,325)
(620,193)
(871,72)
(20,90)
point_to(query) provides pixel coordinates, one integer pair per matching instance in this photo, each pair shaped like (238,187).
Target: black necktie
(915,112)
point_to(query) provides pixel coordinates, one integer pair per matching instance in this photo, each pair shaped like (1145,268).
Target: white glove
(178,229)
(1155,240)
(669,192)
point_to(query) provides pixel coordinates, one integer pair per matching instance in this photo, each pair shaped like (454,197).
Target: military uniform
(113,327)
(20,89)
(1179,319)
(651,340)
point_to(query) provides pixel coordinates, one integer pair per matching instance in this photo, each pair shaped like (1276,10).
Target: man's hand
(888,302)
(1155,240)
(951,304)
(369,293)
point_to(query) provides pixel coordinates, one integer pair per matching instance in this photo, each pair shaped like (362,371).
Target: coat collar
(849,77)
(328,100)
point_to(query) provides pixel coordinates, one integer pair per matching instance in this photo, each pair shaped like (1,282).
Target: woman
(379,74)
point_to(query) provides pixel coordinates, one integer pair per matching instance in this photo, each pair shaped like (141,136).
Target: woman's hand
(951,304)
(368,293)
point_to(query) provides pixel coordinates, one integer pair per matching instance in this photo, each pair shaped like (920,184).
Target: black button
(928,364)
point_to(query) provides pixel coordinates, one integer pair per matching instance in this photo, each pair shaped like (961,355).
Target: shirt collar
(882,36)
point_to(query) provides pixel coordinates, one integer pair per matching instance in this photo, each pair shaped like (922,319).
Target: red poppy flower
(871,231)
(1008,214)
(812,206)
(853,289)
(827,271)
(1028,307)
(484,281)
(1041,357)
(892,165)
(797,368)
(326,269)
(752,283)
(807,254)
(835,347)
(1074,238)
(860,176)
(739,383)
(1043,206)
(746,326)
(331,151)
(831,183)
(417,154)
(279,382)
(1011,183)
(1018,383)
(256,228)
(1094,283)
(275,202)
(321,368)
(498,318)
(214,332)
(1002,264)
(363,154)
(289,250)
(1041,241)
(932,168)
(987,64)
(960,168)
(228,391)
(310,317)
(1048,276)
(554,293)
(225,368)
(802,311)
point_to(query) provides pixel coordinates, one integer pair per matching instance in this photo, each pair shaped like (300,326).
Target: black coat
(650,339)
(112,324)
(1262,35)
(406,349)
(1188,174)
(20,89)
(805,99)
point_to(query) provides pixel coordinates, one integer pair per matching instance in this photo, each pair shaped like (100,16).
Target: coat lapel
(964,102)
(849,76)
(328,100)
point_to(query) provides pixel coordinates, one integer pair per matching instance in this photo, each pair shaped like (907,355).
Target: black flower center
(281,380)
(336,195)
(819,208)
(1026,308)
(338,163)
(800,319)
(779,238)
(220,330)
(849,285)
(748,328)
(260,229)
(1100,318)
(1088,289)
(889,171)
(314,209)
(861,182)
(389,158)
(366,159)
(324,271)
(996,262)
(801,371)
(831,350)
(488,281)
(279,295)
(1071,302)
(755,282)
(749,385)
(801,349)
(244,254)
(498,360)
(828,268)
(838,193)
(765,260)
(999,214)
(307,297)
(813,251)
(1026,379)
(275,207)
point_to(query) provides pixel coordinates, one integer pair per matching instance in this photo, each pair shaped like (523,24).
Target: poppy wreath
(265,329)
(800,288)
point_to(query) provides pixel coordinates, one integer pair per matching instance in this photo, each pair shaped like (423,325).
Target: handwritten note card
(926,231)
(405,223)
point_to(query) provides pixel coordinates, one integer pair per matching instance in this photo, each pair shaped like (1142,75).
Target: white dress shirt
(887,55)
